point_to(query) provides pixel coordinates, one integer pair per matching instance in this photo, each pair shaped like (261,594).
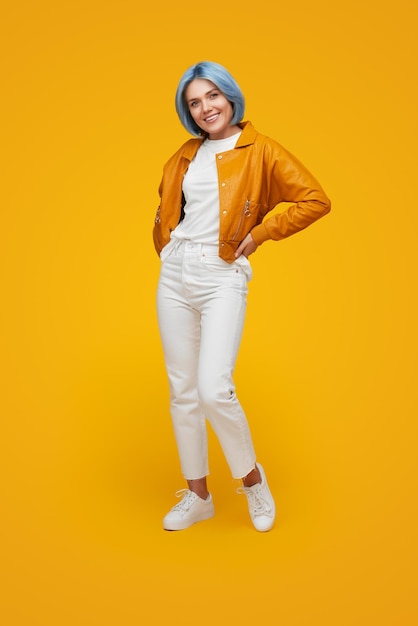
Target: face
(210,109)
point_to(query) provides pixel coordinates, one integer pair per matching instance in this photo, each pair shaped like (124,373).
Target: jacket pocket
(248,217)
(245,213)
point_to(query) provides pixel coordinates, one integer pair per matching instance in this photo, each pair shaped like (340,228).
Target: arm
(290,181)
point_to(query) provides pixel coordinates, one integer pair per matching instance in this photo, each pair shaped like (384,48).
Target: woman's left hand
(246,247)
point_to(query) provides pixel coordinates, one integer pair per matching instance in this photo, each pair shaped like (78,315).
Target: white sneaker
(260,503)
(188,511)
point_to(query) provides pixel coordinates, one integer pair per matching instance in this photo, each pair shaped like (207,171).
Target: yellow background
(327,369)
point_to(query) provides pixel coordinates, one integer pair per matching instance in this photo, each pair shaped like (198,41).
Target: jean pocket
(217,264)
(244,264)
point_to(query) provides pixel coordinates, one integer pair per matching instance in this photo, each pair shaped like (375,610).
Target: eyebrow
(206,94)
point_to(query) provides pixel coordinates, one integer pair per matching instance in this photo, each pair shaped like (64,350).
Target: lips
(211,118)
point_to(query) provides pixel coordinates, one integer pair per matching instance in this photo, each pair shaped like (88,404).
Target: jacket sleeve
(156,231)
(290,181)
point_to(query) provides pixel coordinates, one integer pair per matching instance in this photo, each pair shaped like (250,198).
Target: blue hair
(218,75)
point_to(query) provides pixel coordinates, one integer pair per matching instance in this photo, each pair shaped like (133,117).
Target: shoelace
(187,500)
(255,499)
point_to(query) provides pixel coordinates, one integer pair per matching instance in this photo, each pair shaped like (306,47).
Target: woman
(215,193)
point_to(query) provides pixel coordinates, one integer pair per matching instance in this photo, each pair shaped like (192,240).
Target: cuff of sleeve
(260,234)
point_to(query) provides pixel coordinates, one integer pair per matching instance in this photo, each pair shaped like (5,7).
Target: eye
(194,103)
(214,95)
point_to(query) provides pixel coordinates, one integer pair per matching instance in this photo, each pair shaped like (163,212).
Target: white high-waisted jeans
(201,302)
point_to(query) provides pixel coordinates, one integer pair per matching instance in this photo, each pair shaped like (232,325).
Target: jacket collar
(246,138)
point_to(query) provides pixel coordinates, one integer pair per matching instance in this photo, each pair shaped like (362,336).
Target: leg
(180,334)
(179,325)
(222,323)
(223,314)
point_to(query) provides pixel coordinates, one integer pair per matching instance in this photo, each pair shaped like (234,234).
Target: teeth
(211,118)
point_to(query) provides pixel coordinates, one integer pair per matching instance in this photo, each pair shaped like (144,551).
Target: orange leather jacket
(254,178)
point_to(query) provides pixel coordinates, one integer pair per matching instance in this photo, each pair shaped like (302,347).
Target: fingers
(246,247)
(239,250)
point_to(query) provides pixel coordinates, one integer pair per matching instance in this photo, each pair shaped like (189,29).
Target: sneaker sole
(182,524)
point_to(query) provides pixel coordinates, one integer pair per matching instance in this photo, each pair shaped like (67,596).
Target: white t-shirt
(200,188)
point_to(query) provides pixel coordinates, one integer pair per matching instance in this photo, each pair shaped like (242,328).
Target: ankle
(199,487)
(202,494)
(253,478)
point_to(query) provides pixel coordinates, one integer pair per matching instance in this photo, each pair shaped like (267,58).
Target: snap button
(219,156)
(223,184)
(224,212)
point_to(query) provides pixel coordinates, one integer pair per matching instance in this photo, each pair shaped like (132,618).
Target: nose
(207,105)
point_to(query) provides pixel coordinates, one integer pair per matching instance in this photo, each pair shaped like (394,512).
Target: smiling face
(210,109)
